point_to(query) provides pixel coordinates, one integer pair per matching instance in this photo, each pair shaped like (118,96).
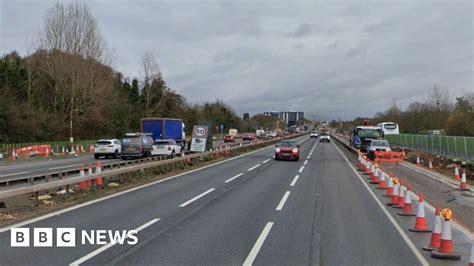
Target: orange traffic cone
(14,154)
(389,191)
(463,185)
(367,167)
(99,181)
(63,152)
(446,249)
(436,235)
(374,176)
(420,223)
(382,180)
(456,173)
(401,197)
(82,184)
(403,154)
(394,198)
(407,206)
(430,164)
(418,160)
(89,172)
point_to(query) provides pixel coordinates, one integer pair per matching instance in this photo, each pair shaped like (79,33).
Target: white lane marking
(63,167)
(305,162)
(308,157)
(301,169)
(253,167)
(266,161)
(20,173)
(56,213)
(295,179)
(109,245)
(234,177)
(283,201)
(197,197)
(390,218)
(258,245)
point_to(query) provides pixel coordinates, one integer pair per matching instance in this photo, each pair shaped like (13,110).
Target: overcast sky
(333,59)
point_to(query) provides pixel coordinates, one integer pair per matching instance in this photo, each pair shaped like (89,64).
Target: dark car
(136,145)
(228,138)
(249,136)
(287,150)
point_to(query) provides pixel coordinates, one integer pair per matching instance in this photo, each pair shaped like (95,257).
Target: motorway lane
(37,168)
(130,210)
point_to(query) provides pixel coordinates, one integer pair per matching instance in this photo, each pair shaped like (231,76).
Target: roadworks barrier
(390,157)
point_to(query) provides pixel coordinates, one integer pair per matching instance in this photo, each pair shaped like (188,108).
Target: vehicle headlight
(277,150)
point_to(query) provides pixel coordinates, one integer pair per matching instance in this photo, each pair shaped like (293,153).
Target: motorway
(23,169)
(246,210)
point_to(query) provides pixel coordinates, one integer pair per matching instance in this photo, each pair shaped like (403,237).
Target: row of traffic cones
(98,182)
(441,245)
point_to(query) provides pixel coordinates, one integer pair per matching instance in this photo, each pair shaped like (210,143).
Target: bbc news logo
(66,237)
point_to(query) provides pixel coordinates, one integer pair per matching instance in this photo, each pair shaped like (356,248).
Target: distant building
(291,118)
(246,116)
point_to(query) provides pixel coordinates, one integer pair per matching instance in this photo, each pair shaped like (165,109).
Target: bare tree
(154,87)
(72,29)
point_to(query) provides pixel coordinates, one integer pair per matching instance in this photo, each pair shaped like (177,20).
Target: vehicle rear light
(295,150)
(169,148)
(277,150)
(111,145)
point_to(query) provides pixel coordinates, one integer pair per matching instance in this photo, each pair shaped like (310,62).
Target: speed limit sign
(199,138)
(200,131)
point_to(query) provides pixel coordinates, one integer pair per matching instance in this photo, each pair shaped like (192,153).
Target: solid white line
(62,167)
(253,167)
(234,177)
(266,161)
(109,245)
(20,173)
(283,201)
(256,247)
(305,162)
(301,169)
(197,197)
(295,179)
(308,157)
(384,210)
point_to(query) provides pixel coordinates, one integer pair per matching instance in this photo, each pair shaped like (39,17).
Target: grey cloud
(302,30)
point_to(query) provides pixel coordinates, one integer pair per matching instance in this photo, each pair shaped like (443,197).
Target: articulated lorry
(165,128)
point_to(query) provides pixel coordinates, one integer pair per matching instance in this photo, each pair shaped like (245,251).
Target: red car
(249,136)
(228,138)
(287,150)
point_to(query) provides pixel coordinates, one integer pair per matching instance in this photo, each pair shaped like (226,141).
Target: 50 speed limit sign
(200,131)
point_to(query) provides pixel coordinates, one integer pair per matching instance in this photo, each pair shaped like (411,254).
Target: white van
(389,128)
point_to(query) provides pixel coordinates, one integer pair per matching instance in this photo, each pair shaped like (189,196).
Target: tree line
(66,81)
(437,112)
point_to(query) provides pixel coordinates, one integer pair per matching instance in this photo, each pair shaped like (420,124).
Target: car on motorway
(325,137)
(107,148)
(287,150)
(377,145)
(137,145)
(229,138)
(167,148)
(314,134)
(248,136)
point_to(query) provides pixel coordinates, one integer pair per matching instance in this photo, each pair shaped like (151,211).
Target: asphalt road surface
(246,210)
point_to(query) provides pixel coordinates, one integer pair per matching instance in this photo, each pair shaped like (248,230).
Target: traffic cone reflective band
(471,258)
(394,199)
(446,249)
(389,191)
(420,223)
(401,197)
(382,180)
(430,165)
(456,173)
(436,235)
(407,206)
(463,186)
(82,184)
